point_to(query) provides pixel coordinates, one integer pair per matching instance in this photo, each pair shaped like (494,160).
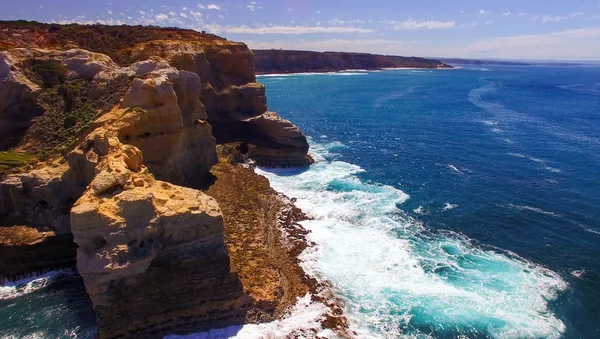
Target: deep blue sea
(450,203)
(458,203)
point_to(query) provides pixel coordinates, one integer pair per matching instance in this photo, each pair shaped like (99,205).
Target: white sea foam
(452,167)
(542,162)
(384,99)
(419,210)
(552,169)
(590,230)
(489,123)
(14,289)
(532,209)
(538,160)
(449,206)
(513,119)
(284,75)
(396,277)
(304,317)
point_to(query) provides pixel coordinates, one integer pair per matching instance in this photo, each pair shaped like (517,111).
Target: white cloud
(484,12)
(506,13)
(200,6)
(172,13)
(161,17)
(549,18)
(213,6)
(569,44)
(252,6)
(109,12)
(411,24)
(183,15)
(286,29)
(196,15)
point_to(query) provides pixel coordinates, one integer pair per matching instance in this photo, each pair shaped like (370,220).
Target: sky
(511,29)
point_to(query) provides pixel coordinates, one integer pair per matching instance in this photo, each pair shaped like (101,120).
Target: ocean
(455,203)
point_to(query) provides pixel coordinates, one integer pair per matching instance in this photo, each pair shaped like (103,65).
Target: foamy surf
(304,321)
(397,278)
(15,289)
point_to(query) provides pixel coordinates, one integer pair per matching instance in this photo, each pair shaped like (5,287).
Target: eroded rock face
(282,61)
(26,250)
(17,102)
(163,116)
(151,253)
(40,198)
(236,105)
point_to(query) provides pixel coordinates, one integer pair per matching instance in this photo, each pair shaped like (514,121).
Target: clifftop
(114,41)
(286,61)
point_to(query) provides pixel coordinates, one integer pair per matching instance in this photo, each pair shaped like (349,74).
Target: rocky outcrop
(138,137)
(284,61)
(151,254)
(163,116)
(236,106)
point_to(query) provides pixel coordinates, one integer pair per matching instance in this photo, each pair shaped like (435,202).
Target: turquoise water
(446,204)
(453,202)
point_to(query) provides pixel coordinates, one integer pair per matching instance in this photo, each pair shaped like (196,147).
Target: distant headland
(288,61)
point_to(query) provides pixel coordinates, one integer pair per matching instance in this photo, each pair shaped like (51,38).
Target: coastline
(346,71)
(265,240)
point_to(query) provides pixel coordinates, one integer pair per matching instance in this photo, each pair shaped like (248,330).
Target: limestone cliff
(285,61)
(151,254)
(106,150)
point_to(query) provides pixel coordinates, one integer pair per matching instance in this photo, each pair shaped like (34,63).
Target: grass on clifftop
(69,106)
(10,160)
(114,41)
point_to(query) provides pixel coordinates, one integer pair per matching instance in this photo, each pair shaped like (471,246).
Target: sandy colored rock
(140,246)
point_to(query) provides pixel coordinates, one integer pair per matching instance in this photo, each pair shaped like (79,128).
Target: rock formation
(236,105)
(151,254)
(118,140)
(283,61)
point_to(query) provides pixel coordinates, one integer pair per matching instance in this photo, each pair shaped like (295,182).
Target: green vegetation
(10,160)
(49,73)
(114,41)
(69,106)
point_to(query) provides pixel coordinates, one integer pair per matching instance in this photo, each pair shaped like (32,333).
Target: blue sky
(523,29)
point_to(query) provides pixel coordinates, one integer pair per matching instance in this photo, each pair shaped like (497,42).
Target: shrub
(70,121)
(50,73)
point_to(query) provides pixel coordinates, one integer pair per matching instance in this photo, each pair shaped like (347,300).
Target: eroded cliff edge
(275,61)
(116,156)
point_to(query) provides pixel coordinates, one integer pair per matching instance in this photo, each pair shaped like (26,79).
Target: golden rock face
(157,255)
